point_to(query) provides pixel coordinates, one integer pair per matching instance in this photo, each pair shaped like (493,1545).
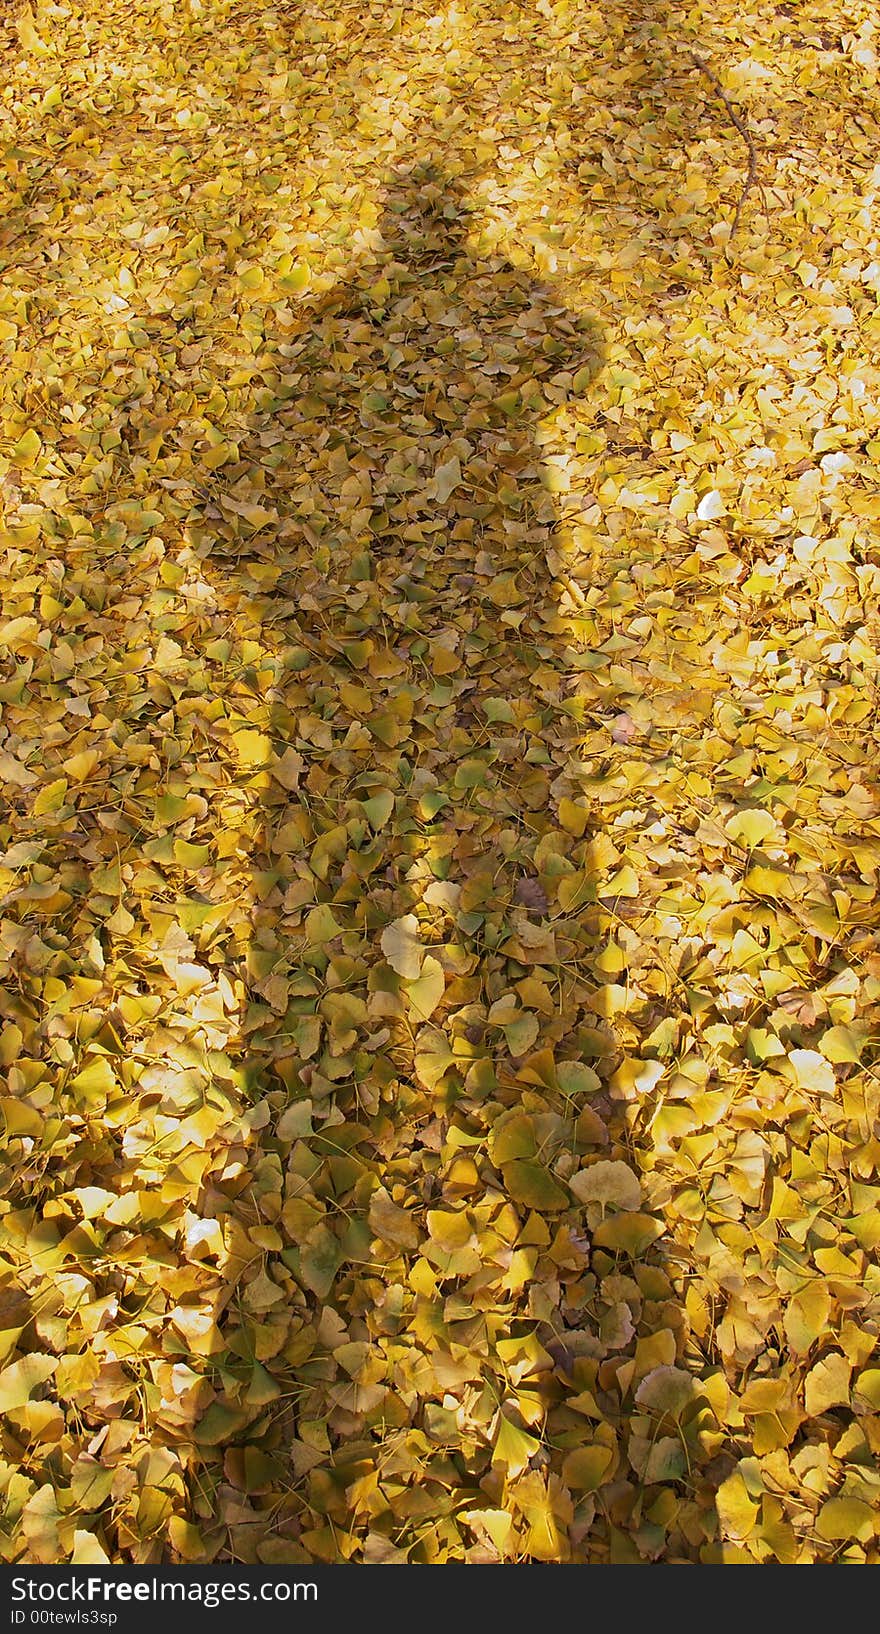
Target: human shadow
(449,1330)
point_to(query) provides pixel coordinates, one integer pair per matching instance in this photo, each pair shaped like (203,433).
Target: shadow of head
(426,215)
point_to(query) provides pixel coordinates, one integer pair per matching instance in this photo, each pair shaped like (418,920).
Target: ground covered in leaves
(440,842)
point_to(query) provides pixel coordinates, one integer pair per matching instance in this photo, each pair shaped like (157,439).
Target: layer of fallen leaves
(440,832)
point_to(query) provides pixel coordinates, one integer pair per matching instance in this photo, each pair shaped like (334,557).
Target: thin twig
(740,125)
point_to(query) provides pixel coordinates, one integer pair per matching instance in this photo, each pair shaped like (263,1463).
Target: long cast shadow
(464,1329)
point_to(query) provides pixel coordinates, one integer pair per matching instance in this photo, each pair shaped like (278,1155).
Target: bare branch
(740,125)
